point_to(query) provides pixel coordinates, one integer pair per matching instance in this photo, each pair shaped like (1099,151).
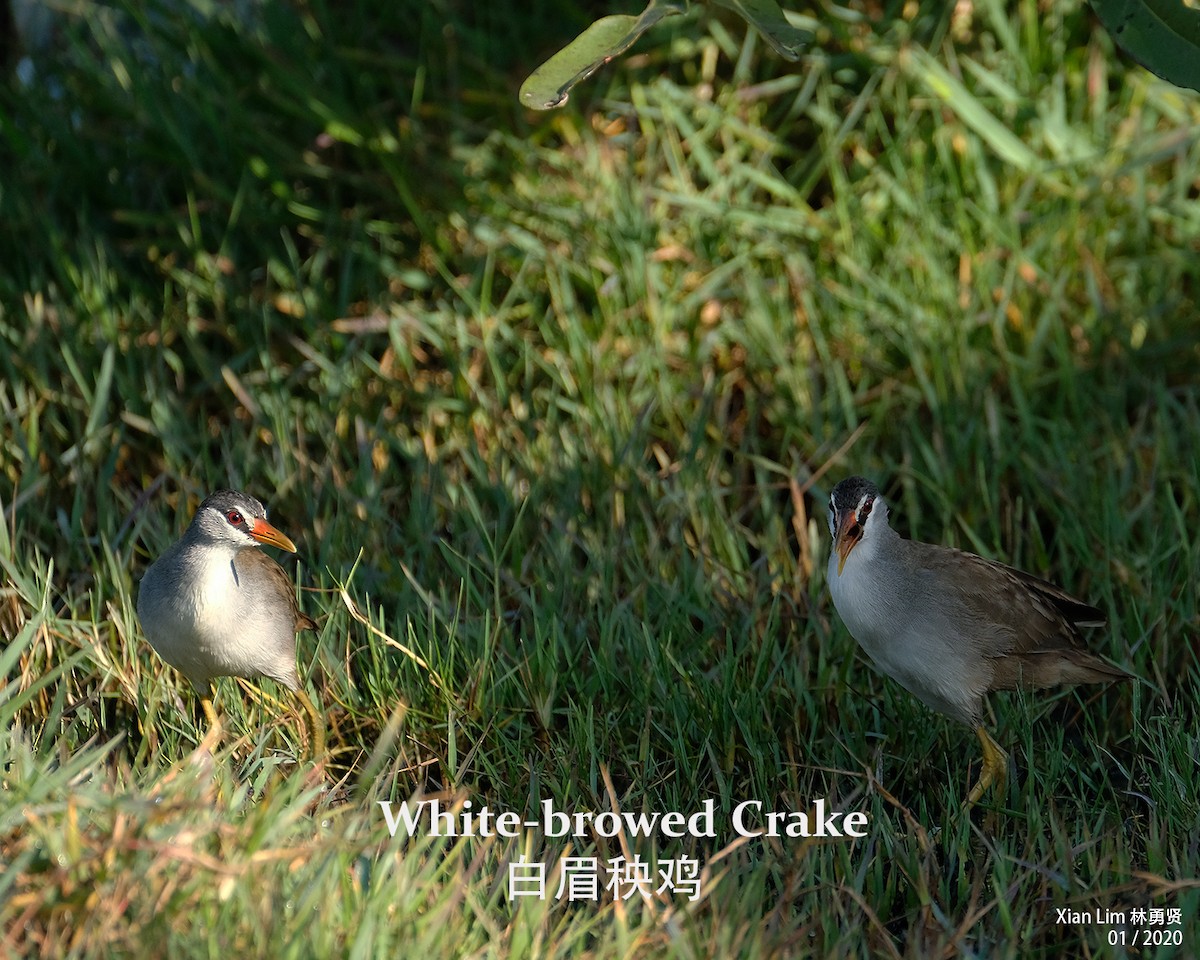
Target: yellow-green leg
(995,766)
(316,724)
(214,725)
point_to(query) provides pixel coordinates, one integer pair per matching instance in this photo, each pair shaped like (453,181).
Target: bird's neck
(212,567)
(858,582)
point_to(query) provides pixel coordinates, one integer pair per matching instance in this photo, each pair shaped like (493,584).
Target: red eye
(235,518)
(866,510)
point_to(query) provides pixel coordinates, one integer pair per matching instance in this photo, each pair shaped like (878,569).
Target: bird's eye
(865,509)
(235,518)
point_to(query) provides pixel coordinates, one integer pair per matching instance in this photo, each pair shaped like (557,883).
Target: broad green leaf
(767,17)
(1162,35)
(550,84)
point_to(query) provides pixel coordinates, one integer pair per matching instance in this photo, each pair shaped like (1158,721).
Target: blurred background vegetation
(552,403)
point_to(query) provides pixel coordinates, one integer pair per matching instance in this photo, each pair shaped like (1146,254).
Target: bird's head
(237,520)
(857,512)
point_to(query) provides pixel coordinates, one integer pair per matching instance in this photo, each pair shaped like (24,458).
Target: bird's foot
(316,729)
(995,768)
(212,737)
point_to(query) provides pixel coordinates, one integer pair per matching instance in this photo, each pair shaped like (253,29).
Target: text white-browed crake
(949,626)
(213,605)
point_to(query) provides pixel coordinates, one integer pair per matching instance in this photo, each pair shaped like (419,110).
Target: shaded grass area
(547,402)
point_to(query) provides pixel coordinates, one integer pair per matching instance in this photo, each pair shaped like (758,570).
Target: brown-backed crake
(214,605)
(949,626)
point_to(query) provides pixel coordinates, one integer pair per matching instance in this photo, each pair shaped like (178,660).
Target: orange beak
(848,534)
(263,532)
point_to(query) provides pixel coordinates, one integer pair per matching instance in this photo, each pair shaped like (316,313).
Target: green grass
(536,395)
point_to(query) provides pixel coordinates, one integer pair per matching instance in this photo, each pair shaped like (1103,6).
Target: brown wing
(257,565)
(1070,608)
(1034,638)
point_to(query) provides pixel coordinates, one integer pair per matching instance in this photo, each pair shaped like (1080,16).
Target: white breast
(906,633)
(196,613)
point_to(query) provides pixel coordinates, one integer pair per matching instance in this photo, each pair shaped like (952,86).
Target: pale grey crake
(949,626)
(213,605)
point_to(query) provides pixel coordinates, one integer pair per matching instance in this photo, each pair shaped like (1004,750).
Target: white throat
(856,588)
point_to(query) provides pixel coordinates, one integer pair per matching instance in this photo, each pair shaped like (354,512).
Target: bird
(214,605)
(950,626)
